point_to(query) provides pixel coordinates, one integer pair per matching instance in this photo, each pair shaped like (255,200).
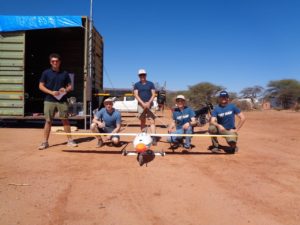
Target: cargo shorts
(51,107)
(212,129)
(145,113)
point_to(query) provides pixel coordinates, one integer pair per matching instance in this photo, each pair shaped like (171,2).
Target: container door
(12,74)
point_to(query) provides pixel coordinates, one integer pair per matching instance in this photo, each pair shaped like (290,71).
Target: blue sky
(233,43)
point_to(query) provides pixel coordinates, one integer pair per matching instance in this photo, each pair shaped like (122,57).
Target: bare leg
(94,129)
(212,129)
(67,127)
(143,124)
(47,129)
(115,140)
(152,126)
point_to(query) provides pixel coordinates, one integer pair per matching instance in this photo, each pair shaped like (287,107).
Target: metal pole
(90,57)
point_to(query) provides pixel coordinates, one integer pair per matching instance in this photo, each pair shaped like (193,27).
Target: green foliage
(197,95)
(203,92)
(286,92)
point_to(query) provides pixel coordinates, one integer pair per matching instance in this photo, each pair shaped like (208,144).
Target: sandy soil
(87,186)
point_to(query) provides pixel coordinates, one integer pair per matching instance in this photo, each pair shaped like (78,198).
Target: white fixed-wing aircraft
(143,141)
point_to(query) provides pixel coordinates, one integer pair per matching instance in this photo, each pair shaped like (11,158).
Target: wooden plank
(11,79)
(11,55)
(15,47)
(9,68)
(11,103)
(12,37)
(11,111)
(11,72)
(11,87)
(11,62)
(11,95)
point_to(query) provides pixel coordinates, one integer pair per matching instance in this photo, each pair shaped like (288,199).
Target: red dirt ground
(88,186)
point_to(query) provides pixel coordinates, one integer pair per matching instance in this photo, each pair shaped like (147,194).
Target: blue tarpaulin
(19,23)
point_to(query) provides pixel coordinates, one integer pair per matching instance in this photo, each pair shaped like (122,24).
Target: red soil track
(88,186)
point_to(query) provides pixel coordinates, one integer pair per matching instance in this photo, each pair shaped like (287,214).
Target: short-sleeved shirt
(182,117)
(226,115)
(110,119)
(54,81)
(144,90)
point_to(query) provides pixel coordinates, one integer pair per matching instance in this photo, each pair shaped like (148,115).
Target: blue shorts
(108,130)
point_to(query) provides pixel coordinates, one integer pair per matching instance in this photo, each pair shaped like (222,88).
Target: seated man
(183,122)
(223,122)
(107,120)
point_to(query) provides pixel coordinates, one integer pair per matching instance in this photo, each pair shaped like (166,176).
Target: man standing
(183,122)
(144,92)
(107,120)
(55,83)
(223,122)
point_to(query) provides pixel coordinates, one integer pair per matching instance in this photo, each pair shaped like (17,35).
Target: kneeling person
(107,120)
(183,122)
(223,122)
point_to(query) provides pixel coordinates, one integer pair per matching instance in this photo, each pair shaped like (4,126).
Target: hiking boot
(71,143)
(186,149)
(234,150)
(100,143)
(44,145)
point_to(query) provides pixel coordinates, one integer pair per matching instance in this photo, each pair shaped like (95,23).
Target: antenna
(90,55)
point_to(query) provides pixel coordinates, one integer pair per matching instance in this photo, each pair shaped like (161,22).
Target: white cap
(180,97)
(108,100)
(142,71)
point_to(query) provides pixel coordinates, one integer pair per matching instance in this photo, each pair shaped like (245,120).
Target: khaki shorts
(212,129)
(51,107)
(146,113)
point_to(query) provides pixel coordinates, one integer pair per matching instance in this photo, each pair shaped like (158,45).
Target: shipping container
(24,55)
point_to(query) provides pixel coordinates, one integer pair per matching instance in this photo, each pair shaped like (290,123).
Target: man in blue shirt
(55,83)
(144,92)
(223,122)
(107,120)
(183,122)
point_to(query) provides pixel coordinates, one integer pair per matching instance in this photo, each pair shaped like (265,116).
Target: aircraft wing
(135,134)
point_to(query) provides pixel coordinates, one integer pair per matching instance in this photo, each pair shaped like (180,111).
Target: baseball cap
(108,100)
(142,71)
(223,94)
(180,97)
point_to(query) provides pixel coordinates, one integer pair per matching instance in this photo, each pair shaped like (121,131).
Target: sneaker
(215,150)
(72,143)
(100,143)
(175,145)
(43,146)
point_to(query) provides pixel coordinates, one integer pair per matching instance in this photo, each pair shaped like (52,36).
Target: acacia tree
(252,92)
(203,92)
(171,95)
(286,92)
